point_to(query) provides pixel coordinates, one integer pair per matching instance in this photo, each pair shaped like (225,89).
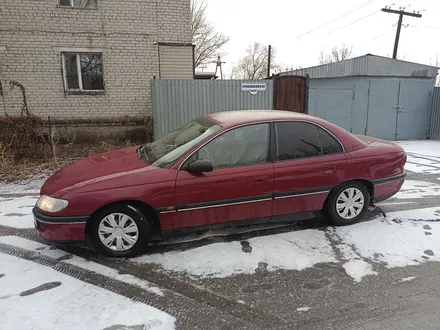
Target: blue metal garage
(373,95)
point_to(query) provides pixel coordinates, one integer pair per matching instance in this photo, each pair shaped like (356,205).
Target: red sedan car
(222,168)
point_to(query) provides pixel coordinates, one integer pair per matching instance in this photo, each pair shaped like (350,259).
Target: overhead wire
(374,38)
(351,23)
(337,18)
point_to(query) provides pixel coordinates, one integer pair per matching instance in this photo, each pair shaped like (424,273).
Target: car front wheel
(348,203)
(120,231)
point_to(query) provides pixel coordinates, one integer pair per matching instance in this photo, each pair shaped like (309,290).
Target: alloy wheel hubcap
(350,203)
(118,232)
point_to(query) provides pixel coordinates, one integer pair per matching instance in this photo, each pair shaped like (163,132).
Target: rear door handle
(330,170)
(260,180)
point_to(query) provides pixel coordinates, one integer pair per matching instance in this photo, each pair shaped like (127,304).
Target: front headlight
(50,204)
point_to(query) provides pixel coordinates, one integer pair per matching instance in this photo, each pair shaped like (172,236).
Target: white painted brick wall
(32,34)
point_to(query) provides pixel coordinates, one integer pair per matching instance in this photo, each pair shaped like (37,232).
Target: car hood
(96,168)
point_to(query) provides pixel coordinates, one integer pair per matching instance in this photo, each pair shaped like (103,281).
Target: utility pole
(218,64)
(401,12)
(269,55)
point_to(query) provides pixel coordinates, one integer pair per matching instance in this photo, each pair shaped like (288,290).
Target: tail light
(403,162)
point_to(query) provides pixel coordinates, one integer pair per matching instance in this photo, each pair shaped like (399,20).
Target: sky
(285,24)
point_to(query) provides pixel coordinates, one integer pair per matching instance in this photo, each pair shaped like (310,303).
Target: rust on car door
(291,93)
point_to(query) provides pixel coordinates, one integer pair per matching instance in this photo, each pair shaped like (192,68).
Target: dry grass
(25,152)
(13,170)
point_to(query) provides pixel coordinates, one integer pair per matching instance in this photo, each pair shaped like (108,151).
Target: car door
(309,162)
(239,188)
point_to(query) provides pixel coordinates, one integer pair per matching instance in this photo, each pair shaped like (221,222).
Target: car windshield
(165,151)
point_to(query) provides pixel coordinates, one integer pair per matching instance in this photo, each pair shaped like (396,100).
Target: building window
(83,72)
(86,4)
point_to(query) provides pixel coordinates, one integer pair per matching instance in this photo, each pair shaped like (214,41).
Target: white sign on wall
(253,88)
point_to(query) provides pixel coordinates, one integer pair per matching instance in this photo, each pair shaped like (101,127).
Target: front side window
(87,4)
(296,140)
(243,146)
(83,71)
(165,151)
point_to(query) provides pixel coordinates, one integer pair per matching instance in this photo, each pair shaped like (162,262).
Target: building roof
(367,65)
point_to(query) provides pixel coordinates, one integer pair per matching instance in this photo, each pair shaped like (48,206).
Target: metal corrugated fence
(434,129)
(176,102)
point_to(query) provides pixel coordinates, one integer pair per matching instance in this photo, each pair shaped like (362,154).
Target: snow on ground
(17,212)
(44,249)
(36,297)
(294,250)
(31,186)
(418,189)
(423,156)
(421,147)
(401,239)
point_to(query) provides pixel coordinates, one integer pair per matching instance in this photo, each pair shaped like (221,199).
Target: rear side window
(328,143)
(297,140)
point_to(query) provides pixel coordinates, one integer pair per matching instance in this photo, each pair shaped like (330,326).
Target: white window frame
(72,5)
(79,72)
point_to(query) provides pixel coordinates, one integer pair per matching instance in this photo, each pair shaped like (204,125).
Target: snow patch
(31,186)
(303,309)
(418,189)
(44,249)
(73,304)
(294,250)
(423,156)
(380,240)
(358,268)
(361,245)
(407,279)
(421,147)
(17,212)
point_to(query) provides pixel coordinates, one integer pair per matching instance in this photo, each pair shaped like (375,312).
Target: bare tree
(336,55)
(253,65)
(209,43)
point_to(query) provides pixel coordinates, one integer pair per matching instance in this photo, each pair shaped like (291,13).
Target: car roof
(238,117)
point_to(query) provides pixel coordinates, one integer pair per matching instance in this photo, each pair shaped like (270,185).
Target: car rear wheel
(120,231)
(347,203)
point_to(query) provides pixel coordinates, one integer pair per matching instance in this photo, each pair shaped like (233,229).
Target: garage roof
(367,65)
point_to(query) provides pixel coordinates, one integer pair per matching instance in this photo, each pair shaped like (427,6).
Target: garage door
(382,109)
(414,110)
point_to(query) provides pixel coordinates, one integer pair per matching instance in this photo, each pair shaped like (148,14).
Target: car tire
(120,231)
(347,203)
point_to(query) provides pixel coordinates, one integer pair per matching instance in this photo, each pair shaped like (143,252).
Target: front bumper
(60,229)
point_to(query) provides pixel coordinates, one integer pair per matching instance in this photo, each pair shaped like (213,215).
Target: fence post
(306,94)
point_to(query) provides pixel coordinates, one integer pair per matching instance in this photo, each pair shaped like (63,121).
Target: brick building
(91,58)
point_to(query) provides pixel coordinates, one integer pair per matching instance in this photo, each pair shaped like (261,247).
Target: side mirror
(200,166)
